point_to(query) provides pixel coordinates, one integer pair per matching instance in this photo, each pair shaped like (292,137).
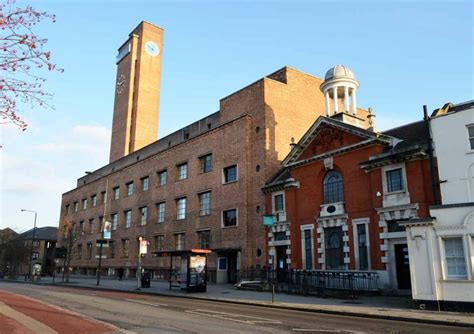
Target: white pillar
(327,103)
(334,97)
(354,102)
(346,99)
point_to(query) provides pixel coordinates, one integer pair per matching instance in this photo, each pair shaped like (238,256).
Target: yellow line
(30,323)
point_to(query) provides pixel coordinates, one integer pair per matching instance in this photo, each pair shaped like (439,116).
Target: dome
(339,72)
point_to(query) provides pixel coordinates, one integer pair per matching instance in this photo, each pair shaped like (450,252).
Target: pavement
(382,307)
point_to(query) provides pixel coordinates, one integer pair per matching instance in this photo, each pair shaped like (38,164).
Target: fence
(343,284)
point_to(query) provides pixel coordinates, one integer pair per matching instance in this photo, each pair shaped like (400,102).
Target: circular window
(331,209)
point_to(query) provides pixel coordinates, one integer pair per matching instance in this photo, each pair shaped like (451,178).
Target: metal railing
(343,284)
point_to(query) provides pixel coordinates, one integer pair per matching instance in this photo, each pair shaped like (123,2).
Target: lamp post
(32,240)
(103,223)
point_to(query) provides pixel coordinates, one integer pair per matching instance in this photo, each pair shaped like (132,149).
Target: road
(132,313)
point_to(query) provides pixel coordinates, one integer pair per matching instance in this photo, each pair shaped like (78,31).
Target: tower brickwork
(137,91)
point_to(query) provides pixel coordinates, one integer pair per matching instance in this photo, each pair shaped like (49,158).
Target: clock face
(152,48)
(120,83)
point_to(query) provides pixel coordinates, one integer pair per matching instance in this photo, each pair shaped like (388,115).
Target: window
(76,206)
(182,171)
(158,242)
(279,207)
(205,203)
(94,200)
(206,163)
(143,214)
(308,249)
(394,180)
(230,174)
(278,203)
(117,192)
(128,218)
(362,247)
(112,249)
(36,243)
(470,130)
(181,208)
(79,251)
(35,255)
(89,250)
(130,189)
(81,227)
(179,241)
(114,221)
(204,239)
(91,226)
(125,247)
(103,196)
(160,208)
(332,188)
(229,218)
(145,183)
(67,209)
(455,260)
(162,176)
(84,204)
(334,248)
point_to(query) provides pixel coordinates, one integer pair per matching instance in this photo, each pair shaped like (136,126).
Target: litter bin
(146,278)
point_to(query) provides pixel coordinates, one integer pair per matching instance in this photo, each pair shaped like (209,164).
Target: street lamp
(104,220)
(32,240)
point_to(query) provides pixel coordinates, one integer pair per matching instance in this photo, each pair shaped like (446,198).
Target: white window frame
(470,148)
(236,218)
(279,216)
(143,215)
(384,178)
(114,219)
(181,167)
(94,200)
(76,206)
(160,214)
(130,188)
(178,216)
(207,209)
(145,183)
(444,262)
(163,177)
(84,204)
(128,222)
(304,228)
(183,241)
(366,222)
(236,174)
(116,192)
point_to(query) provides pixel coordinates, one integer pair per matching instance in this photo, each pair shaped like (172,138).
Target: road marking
(326,330)
(233,317)
(30,323)
(145,303)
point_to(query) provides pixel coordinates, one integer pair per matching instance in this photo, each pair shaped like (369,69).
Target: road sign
(268,220)
(103,256)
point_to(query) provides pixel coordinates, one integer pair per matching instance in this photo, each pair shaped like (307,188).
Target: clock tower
(137,91)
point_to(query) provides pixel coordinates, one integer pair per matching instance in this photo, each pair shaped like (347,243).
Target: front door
(281,263)
(403,266)
(232,268)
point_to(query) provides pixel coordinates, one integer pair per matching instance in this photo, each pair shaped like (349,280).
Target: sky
(404,53)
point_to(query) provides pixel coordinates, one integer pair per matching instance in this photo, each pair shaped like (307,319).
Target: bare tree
(14,253)
(68,231)
(22,58)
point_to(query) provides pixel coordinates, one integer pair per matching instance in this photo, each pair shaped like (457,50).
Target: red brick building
(340,195)
(199,187)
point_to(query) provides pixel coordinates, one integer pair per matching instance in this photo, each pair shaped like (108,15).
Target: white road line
(233,317)
(145,303)
(30,323)
(326,330)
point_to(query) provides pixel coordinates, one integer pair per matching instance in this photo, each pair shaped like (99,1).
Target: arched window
(332,188)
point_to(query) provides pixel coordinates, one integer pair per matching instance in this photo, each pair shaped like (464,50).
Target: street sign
(268,220)
(103,256)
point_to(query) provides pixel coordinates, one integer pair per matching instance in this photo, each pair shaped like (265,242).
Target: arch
(333,189)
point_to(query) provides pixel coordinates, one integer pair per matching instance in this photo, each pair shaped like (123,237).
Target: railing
(343,284)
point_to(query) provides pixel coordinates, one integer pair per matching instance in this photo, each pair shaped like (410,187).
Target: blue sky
(405,54)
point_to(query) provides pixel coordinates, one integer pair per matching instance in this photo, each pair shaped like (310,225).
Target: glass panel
(334,248)
(362,244)
(333,188)
(394,180)
(308,249)
(279,203)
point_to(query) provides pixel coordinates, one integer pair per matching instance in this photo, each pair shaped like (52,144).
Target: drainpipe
(429,141)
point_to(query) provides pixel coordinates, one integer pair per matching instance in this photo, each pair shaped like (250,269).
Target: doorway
(280,264)
(402,264)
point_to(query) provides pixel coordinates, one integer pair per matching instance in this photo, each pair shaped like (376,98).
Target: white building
(442,248)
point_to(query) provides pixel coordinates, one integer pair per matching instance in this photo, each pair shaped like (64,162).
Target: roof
(41,233)
(450,108)
(410,134)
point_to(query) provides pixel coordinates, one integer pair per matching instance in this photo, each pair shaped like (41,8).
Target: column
(354,102)
(334,97)
(327,102)
(346,99)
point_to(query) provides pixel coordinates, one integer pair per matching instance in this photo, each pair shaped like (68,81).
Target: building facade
(342,193)
(442,246)
(199,187)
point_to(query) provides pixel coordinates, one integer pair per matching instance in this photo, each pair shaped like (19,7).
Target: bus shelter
(192,275)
